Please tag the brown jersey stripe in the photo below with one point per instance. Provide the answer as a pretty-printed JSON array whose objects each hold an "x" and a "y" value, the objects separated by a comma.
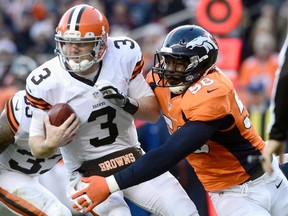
[
  {"x": 19, "y": 205},
  {"x": 12, "y": 121},
  {"x": 37, "y": 102},
  {"x": 138, "y": 68}
]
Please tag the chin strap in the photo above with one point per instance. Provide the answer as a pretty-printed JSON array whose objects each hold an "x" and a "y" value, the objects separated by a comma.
[{"x": 81, "y": 66}]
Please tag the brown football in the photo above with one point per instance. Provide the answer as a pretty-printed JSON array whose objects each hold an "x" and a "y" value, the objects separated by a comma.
[{"x": 59, "y": 113}]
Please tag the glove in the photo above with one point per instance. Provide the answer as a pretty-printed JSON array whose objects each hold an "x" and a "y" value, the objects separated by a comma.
[
  {"x": 118, "y": 98},
  {"x": 91, "y": 196}
]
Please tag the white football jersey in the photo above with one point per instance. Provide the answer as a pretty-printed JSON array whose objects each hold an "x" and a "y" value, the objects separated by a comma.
[
  {"x": 104, "y": 127},
  {"x": 18, "y": 156}
]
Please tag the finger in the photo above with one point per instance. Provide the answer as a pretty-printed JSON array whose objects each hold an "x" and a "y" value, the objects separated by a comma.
[
  {"x": 69, "y": 120},
  {"x": 105, "y": 88},
  {"x": 85, "y": 180},
  {"x": 89, "y": 201},
  {"x": 78, "y": 194},
  {"x": 116, "y": 96},
  {"x": 90, "y": 208},
  {"x": 94, "y": 213},
  {"x": 81, "y": 203},
  {"x": 77, "y": 206},
  {"x": 73, "y": 126},
  {"x": 84, "y": 204}
]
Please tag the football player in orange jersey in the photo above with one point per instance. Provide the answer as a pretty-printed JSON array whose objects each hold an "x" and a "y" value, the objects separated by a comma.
[{"x": 209, "y": 126}]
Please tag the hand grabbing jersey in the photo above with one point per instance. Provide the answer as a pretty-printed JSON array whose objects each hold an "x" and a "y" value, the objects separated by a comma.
[{"x": 112, "y": 94}]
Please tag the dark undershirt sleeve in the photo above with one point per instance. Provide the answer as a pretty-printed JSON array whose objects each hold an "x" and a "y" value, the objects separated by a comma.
[
  {"x": 280, "y": 125},
  {"x": 184, "y": 141}
]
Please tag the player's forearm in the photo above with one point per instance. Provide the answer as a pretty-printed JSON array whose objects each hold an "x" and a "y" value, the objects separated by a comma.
[
  {"x": 41, "y": 148},
  {"x": 148, "y": 109},
  {"x": 6, "y": 135}
]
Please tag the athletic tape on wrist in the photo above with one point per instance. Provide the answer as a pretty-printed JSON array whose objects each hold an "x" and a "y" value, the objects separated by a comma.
[
  {"x": 112, "y": 184},
  {"x": 131, "y": 106}
]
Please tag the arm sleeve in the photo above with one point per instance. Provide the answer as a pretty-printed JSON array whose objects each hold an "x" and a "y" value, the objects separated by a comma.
[
  {"x": 138, "y": 87},
  {"x": 184, "y": 141},
  {"x": 279, "y": 103},
  {"x": 37, "y": 123}
]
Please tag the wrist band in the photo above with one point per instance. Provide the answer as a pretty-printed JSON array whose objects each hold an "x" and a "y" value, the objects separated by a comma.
[
  {"x": 112, "y": 184},
  {"x": 131, "y": 106}
]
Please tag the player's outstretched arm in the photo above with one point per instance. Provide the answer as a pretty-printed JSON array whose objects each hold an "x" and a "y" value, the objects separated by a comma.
[
  {"x": 150, "y": 165},
  {"x": 6, "y": 134},
  {"x": 144, "y": 108}
]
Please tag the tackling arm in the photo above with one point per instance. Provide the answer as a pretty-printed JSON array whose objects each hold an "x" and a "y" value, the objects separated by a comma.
[
  {"x": 148, "y": 109},
  {"x": 184, "y": 141}
]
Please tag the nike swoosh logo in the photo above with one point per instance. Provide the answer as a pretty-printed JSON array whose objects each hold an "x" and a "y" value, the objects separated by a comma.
[
  {"x": 16, "y": 107},
  {"x": 277, "y": 186},
  {"x": 209, "y": 91}
]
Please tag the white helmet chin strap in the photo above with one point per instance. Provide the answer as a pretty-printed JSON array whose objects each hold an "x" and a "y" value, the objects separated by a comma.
[{"x": 81, "y": 66}]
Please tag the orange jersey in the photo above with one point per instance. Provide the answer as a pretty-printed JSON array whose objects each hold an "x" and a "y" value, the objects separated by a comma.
[{"x": 222, "y": 161}]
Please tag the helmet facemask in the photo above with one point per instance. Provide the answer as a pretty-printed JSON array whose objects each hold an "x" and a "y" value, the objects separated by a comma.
[
  {"x": 80, "y": 63},
  {"x": 190, "y": 46},
  {"x": 176, "y": 80},
  {"x": 80, "y": 25}
]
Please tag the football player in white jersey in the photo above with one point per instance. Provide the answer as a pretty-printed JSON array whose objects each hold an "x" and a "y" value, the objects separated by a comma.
[
  {"x": 89, "y": 63},
  {"x": 25, "y": 195},
  {"x": 20, "y": 192}
]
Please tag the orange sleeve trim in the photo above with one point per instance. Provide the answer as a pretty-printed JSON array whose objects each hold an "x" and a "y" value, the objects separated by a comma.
[
  {"x": 19, "y": 205},
  {"x": 12, "y": 121},
  {"x": 37, "y": 102},
  {"x": 138, "y": 68}
]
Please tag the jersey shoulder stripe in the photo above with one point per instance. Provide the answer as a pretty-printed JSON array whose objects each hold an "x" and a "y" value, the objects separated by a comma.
[
  {"x": 12, "y": 121},
  {"x": 38, "y": 102},
  {"x": 138, "y": 68}
]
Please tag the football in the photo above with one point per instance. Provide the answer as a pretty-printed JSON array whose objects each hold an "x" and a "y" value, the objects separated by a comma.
[{"x": 59, "y": 113}]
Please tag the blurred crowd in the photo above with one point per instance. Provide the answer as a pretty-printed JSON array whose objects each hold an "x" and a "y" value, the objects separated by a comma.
[{"x": 27, "y": 40}]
